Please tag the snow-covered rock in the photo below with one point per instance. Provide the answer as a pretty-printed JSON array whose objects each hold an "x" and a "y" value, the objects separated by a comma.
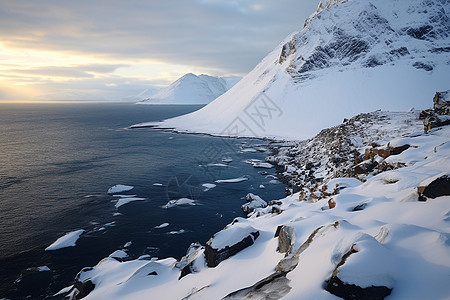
[
  {"x": 253, "y": 202},
  {"x": 193, "y": 261},
  {"x": 228, "y": 242},
  {"x": 232, "y": 180},
  {"x": 191, "y": 89},
  {"x": 352, "y": 56}
]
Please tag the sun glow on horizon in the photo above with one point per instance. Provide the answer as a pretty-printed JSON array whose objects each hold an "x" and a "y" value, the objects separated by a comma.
[{"x": 36, "y": 75}]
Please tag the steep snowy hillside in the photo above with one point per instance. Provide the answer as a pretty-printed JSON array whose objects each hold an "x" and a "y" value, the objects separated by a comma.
[
  {"x": 192, "y": 89},
  {"x": 351, "y": 56}
]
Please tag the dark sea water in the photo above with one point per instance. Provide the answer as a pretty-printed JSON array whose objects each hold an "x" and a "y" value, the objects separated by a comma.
[{"x": 57, "y": 162}]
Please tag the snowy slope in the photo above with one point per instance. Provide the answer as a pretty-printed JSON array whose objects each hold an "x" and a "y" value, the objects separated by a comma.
[
  {"x": 191, "y": 89},
  {"x": 377, "y": 234},
  {"x": 352, "y": 56}
]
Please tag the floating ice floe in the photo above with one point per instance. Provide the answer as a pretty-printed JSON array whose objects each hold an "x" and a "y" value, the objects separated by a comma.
[
  {"x": 126, "y": 200},
  {"x": 68, "y": 240},
  {"x": 208, "y": 186},
  {"x": 181, "y": 231},
  {"x": 263, "y": 165},
  {"x": 233, "y": 180},
  {"x": 227, "y": 159},
  {"x": 216, "y": 165},
  {"x": 181, "y": 201},
  {"x": 118, "y": 188},
  {"x": 158, "y": 184},
  {"x": 162, "y": 225},
  {"x": 250, "y": 150}
]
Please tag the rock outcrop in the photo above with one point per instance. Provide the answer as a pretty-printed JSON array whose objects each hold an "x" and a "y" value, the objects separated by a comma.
[
  {"x": 350, "y": 291},
  {"x": 253, "y": 202},
  {"x": 228, "y": 242},
  {"x": 437, "y": 188},
  {"x": 440, "y": 114},
  {"x": 192, "y": 261},
  {"x": 286, "y": 238}
]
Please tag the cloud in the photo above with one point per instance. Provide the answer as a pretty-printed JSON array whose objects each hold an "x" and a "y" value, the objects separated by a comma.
[
  {"x": 55, "y": 72},
  {"x": 218, "y": 37},
  {"x": 228, "y": 35}
]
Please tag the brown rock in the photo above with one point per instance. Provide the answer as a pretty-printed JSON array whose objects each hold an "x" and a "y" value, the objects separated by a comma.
[{"x": 331, "y": 203}]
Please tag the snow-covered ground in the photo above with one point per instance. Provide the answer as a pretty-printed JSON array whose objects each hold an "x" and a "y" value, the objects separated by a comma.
[
  {"x": 372, "y": 233},
  {"x": 192, "y": 89}
]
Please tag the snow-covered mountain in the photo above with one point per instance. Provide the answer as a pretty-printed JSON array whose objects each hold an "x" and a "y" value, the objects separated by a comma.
[
  {"x": 351, "y": 56},
  {"x": 192, "y": 89}
]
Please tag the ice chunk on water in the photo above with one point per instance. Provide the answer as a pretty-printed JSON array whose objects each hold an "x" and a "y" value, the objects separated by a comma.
[
  {"x": 118, "y": 188},
  {"x": 126, "y": 200},
  {"x": 233, "y": 180},
  {"x": 208, "y": 186},
  {"x": 68, "y": 240},
  {"x": 182, "y": 201},
  {"x": 162, "y": 225}
]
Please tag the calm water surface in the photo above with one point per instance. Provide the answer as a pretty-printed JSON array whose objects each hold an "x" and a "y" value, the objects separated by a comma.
[{"x": 57, "y": 162}]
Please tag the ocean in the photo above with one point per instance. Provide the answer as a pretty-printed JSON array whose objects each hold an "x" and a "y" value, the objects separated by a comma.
[{"x": 57, "y": 162}]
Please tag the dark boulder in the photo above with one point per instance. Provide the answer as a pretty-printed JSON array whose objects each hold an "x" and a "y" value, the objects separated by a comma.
[
  {"x": 354, "y": 292},
  {"x": 228, "y": 242},
  {"x": 83, "y": 288},
  {"x": 437, "y": 188},
  {"x": 348, "y": 291}
]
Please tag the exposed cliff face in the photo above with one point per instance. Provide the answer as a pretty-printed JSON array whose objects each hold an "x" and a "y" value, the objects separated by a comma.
[
  {"x": 351, "y": 56},
  {"x": 365, "y": 34}
]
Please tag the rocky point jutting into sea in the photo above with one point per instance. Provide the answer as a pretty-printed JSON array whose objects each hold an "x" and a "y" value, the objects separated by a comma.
[{"x": 369, "y": 209}]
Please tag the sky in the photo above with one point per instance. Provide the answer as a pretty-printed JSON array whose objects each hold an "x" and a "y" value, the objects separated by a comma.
[{"x": 114, "y": 50}]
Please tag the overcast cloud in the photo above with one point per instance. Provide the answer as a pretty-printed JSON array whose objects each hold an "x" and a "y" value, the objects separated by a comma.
[{"x": 168, "y": 37}]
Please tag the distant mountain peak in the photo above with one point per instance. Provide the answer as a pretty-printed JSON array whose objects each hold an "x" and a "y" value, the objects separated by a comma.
[{"x": 191, "y": 89}]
